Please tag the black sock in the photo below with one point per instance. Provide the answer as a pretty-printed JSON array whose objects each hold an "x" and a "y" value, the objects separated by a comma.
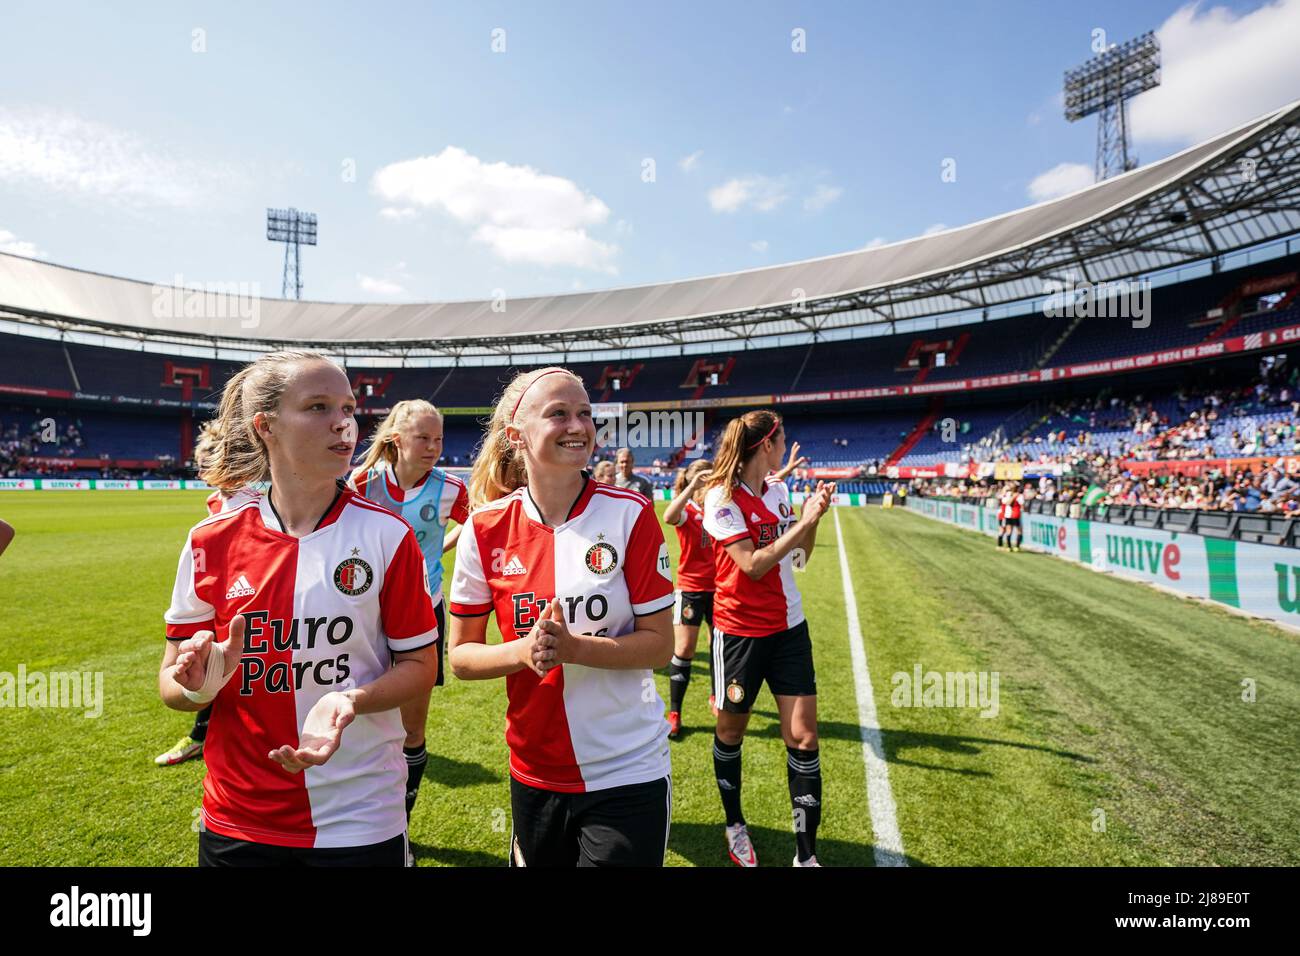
[
  {"x": 200, "y": 729},
  {"x": 1000, "y": 537},
  {"x": 1019, "y": 537},
  {"x": 679, "y": 675},
  {"x": 416, "y": 758},
  {"x": 804, "y": 773},
  {"x": 726, "y": 768}
]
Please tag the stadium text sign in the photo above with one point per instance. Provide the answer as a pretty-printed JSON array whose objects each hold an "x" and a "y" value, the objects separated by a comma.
[{"x": 1260, "y": 579}]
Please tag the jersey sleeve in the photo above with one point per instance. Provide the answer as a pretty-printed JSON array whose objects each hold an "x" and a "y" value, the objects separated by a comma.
[
  {"x": 471, "y": 595},
  {"x": 723, "y": 520},
  {"x": 189, "y": 613},
  {"x": 647, "y": 570},
  {"x": 405, "y": 604},
  {"x": 460, "y": 507}
]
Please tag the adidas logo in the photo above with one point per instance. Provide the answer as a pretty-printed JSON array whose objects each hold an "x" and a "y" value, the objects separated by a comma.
[
  {"x": 514, "y": 566},
  {"x": 754, "y": 518},
  {"x": 241, "y": 588},
  {"x": 807, "y": 800}
]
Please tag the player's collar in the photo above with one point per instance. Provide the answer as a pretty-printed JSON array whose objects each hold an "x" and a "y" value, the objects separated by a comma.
[
  {"x": 271, "y": 517},
  {"x": 579, "y": 503}
]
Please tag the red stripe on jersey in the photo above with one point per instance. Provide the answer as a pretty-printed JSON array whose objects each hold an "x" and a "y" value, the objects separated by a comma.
[
  {"x": 741, "y": 605},
  {"x": 695, "y": 564},
  {"x": 579, "y": 728},
  {"x": 537, "y": 726},
  {"x": 246, "y": 795}
]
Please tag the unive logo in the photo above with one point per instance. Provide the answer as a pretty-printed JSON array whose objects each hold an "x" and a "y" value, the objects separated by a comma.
[
  {"x": 1140, "y": 554},
  {"x": 1049, "y": 535},
  {"x": 1286, "y": 575}
]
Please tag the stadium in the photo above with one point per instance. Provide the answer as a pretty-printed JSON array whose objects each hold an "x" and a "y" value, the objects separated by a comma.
[{"x": 1126, "y": 358}]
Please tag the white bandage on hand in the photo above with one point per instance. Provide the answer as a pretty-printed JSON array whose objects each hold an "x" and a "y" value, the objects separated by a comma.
[{"x": 213, "y": 680}]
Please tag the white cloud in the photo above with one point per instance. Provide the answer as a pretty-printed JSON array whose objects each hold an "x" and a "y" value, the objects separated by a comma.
[
  {"x": 396, "y": 214},
  {"x": 759, "y": 245},
  {"x": 379, "y": 286},
  {"x": 1218, "y": 70},
  {"x": 1060, "y": 180},
  {"x": 761, "y": 192},
  {"x": 931, "y": 230},
  {"x": 19, "y": 247},
  {"x": 875, "y": 243},
  {"x": 687, "y": 163},
  {"x": 66, "y": 154},
  {"x": 822, "y": 197},
  {"x": 521, "y": 214}
]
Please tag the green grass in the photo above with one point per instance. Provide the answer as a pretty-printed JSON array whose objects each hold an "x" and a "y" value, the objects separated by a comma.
[{"x": 1113, "y": 698}]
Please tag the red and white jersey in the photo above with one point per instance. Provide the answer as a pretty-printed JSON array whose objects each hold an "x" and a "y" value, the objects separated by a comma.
[
  {"x": 695, "y": 564},
  {"x": 579, "y": 728},
  {"x": 218, "y": 502},
  {"x": 741, "y": 605},
  {"x": 1011, "y": 504},
  {"x": 323, "y": 613}
]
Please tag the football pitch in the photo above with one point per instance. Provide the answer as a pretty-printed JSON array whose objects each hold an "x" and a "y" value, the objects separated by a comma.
[{"x": 1122, "y": 730}]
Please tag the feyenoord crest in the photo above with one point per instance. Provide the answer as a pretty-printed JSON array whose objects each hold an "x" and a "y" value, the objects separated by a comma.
[
  {"x": 601, "y": 558},
  {"x": 688, "y": 611},
  {"x": 735, "y": 693},
  {"x": 353, "y": 576}
]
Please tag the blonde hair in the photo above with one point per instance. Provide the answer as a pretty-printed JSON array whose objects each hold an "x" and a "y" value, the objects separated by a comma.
[
  {"x": 204, "y": 445},
  {"x": 382, "y": 446},
  {"x": 499, "y": 468},
  {"x": 684, "y": 476},
  {"x": 239, "y": 456},
  {"x": 739, "y": 442}
]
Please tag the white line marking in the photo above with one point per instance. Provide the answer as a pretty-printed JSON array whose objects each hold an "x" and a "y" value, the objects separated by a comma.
[{"x": 880, "y": 798}]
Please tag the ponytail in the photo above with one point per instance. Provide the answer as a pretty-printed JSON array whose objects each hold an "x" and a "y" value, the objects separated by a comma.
[
  {"x": 238, "y": 456},
  {"x": 740, "y": 440}
]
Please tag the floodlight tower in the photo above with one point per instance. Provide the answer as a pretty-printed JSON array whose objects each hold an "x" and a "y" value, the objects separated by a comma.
[
  {"x": 295, "y": 229},
  {"x": 1104, "y": 85}
]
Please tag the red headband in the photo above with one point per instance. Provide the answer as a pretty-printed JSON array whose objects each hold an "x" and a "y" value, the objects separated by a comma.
[
  {"x": 775, "y": 426},
  {"x": 530, "y": 385}
]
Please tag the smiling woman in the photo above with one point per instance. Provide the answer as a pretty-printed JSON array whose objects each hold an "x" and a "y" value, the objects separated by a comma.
[
  {"x": 577, "y": 573},
  {"x": 323, "y": 598}
]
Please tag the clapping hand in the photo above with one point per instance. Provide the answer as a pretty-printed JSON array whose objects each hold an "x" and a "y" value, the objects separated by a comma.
[
  {"x": 191, "y": 667},
  {"x": 321, "y": 733}
]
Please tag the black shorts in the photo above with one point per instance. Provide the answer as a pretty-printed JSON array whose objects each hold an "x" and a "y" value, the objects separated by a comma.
[
  {"x": 692, "y": 608},
  {"x": 621, "y": 826},
  {"x": 742, "y": 664},
  {"x": 1011, "y": 522},
  {"x": 218, "y": 850},
  {"x": 440, "y": 612}
]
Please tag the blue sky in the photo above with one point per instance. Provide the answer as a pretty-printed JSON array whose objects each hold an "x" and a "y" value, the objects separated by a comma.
[{"x": 125, "y": 150}]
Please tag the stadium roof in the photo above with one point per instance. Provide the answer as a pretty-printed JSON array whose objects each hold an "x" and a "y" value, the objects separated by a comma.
[{"x": 1233, "y": 191}]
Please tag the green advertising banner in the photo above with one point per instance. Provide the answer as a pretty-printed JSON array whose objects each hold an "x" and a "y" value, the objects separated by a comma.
[{"x": 1261, "y": 579}]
